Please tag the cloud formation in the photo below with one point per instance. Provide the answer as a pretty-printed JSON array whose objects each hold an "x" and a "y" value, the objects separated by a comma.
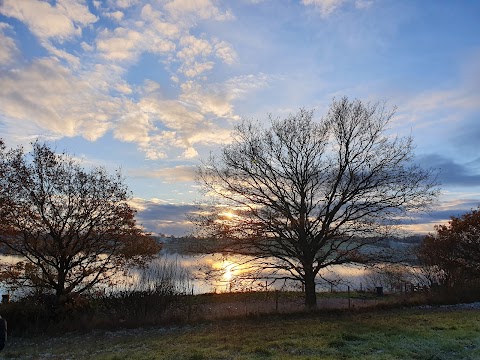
[
  {"x": 160, "y": 84},
  {"x": 451, "y": 172},
  {"x": 7, "y": 44},
  {"x": 327, "y": 7},
  {"x": 61, "y": 21},
  {"x": 169, "y": 219},
  {"x": 173, "y": 175},
  {"x": 68, "y": 105},
  {"x": 84, "y": 88}
]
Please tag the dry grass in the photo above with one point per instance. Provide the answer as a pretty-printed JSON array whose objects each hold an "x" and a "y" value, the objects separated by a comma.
[{"x": 415, "y": 333}]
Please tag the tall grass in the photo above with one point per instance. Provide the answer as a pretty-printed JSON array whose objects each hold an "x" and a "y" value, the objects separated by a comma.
[{"x": 148, "y": 296}]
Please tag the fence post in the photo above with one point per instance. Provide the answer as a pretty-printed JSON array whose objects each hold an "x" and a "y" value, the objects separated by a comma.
[
  {"x": 349, "y": 300},
  {"x": 189, "y": 311},
  {"x": 276, "y": 301}
]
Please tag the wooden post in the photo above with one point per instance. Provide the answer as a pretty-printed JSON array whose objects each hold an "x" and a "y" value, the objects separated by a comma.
[
  {"x": 349, "y": 300},
  {"x": 189, "y": 311},
  {"x": 276, "y": 301}
]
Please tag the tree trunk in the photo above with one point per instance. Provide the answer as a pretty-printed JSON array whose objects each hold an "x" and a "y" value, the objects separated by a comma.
[
  {"x": 310, "y": 292},
  {"x": 60, "y": 290}
]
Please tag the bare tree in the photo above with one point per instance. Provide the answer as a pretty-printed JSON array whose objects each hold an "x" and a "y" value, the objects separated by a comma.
[
  {"x": 73, "y": 228},
  {"x": 303, "y": 195}
]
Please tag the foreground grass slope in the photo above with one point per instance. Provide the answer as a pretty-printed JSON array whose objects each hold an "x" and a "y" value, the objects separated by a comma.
[{"x": 427, "y": 333}]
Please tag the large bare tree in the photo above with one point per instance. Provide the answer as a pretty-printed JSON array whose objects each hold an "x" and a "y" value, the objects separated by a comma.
[
  {"x": 307, "y": 195},
  {"x": 73, "y": 228}
]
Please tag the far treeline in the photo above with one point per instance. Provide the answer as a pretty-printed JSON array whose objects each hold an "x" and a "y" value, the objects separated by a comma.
[{"x": 296, "y": 194}]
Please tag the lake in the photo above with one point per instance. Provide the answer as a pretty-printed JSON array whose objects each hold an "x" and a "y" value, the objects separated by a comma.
[{"x": 222, "y": 273}]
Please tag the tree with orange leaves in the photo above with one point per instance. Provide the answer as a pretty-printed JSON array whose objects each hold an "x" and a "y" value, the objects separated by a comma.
[
  {"x": 73, "y": 228},
  {"x": 453, "y": 251}
]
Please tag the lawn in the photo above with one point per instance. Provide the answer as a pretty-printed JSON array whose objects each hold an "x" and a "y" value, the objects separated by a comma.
[{"x": 415, "y": 333}]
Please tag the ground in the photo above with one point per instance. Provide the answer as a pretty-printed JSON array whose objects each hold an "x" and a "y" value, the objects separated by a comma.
[{"x": 425, "y": 332}]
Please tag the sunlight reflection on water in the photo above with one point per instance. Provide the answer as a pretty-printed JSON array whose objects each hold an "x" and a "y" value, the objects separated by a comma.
[{"x": 221, "y": 273}]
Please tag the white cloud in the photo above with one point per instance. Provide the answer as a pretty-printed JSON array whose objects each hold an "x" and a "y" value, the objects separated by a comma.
[
  {"x": 116, "y": 15},
  {"x": 124, "y": 44},
  {"x": 150, "y": 86},
  {"x": 203, "y": 9},
  {"x": 77, "y": 11},
  {"x": 123, "y": 87},
  {"x": 159, "y": 24},
  {"x": 212, "y": 99},
  {"x": 181, "y": 173},
  {"x": 126, "y": 3},
  {"x": 73, "y": 60},
  {"x": 363, "y": 4},
  {"x": 86, "y": 46},
  {"x": 134, "y": 126},
  {"x": 432, "y": 104},
  {"x": 61, "y": 21},
  {"x": 225, "y": 51},
  {"x": 120, "y": 44},
  {"x": 218, "y": 98},
  {"x": 196, "y": 69},
  {"x": 173, "y": 114},
  {"x": 193, "y": 47},
  {"x": 86, "y": 93},
  {"x": 68, "y": 104},
  {"x": 326, "y": 7},
  {"x": 7, "y": 44},
  {"x": 190, "y": 153}
]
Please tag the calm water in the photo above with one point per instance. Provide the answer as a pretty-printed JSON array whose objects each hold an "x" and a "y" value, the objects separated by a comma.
[{"x": 219, "y": 273}]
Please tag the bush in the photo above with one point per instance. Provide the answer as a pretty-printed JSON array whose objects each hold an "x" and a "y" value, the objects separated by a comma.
[{"x": 155, "y": 299}]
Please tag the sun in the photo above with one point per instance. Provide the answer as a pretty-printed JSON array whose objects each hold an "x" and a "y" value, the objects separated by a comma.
[
  {"x": 228, "y": 271},
  {"x": 228, "y": 274},
  {"x": 228, "y": 215}
]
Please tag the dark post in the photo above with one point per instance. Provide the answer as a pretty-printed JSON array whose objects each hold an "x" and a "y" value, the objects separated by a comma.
[
  {"x": 276, "y": 300},
  {"x": 189, "y": 311},
  {"x": 3, "y": 332},
  {"x": 349, "y": 300}
]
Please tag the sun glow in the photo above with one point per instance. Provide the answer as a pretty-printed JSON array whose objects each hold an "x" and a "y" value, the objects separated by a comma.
[
  {"x": 227, "y": 270},
  {"x": 228, "y": 274},
  {"x": 228, "y": 215}
]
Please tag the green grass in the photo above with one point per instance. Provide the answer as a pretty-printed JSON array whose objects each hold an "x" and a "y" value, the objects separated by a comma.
[{"x": 396, "y": 334}]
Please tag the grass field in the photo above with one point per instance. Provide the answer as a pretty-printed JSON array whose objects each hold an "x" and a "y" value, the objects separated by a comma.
[{"x": 415, "y": 333}]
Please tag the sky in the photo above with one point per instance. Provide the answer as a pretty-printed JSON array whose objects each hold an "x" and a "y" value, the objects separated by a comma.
[{"x": 153, "y": 87}]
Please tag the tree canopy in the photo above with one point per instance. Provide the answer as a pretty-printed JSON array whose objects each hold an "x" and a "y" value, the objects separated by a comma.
[
  {"x": 303, "y": 195},
  {"x": 73, "y": 228},
  {"x": 453, "y": 251}
]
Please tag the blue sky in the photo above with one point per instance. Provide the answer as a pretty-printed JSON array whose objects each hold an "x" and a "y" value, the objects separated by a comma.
[{"x": 155, "y": 86}]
